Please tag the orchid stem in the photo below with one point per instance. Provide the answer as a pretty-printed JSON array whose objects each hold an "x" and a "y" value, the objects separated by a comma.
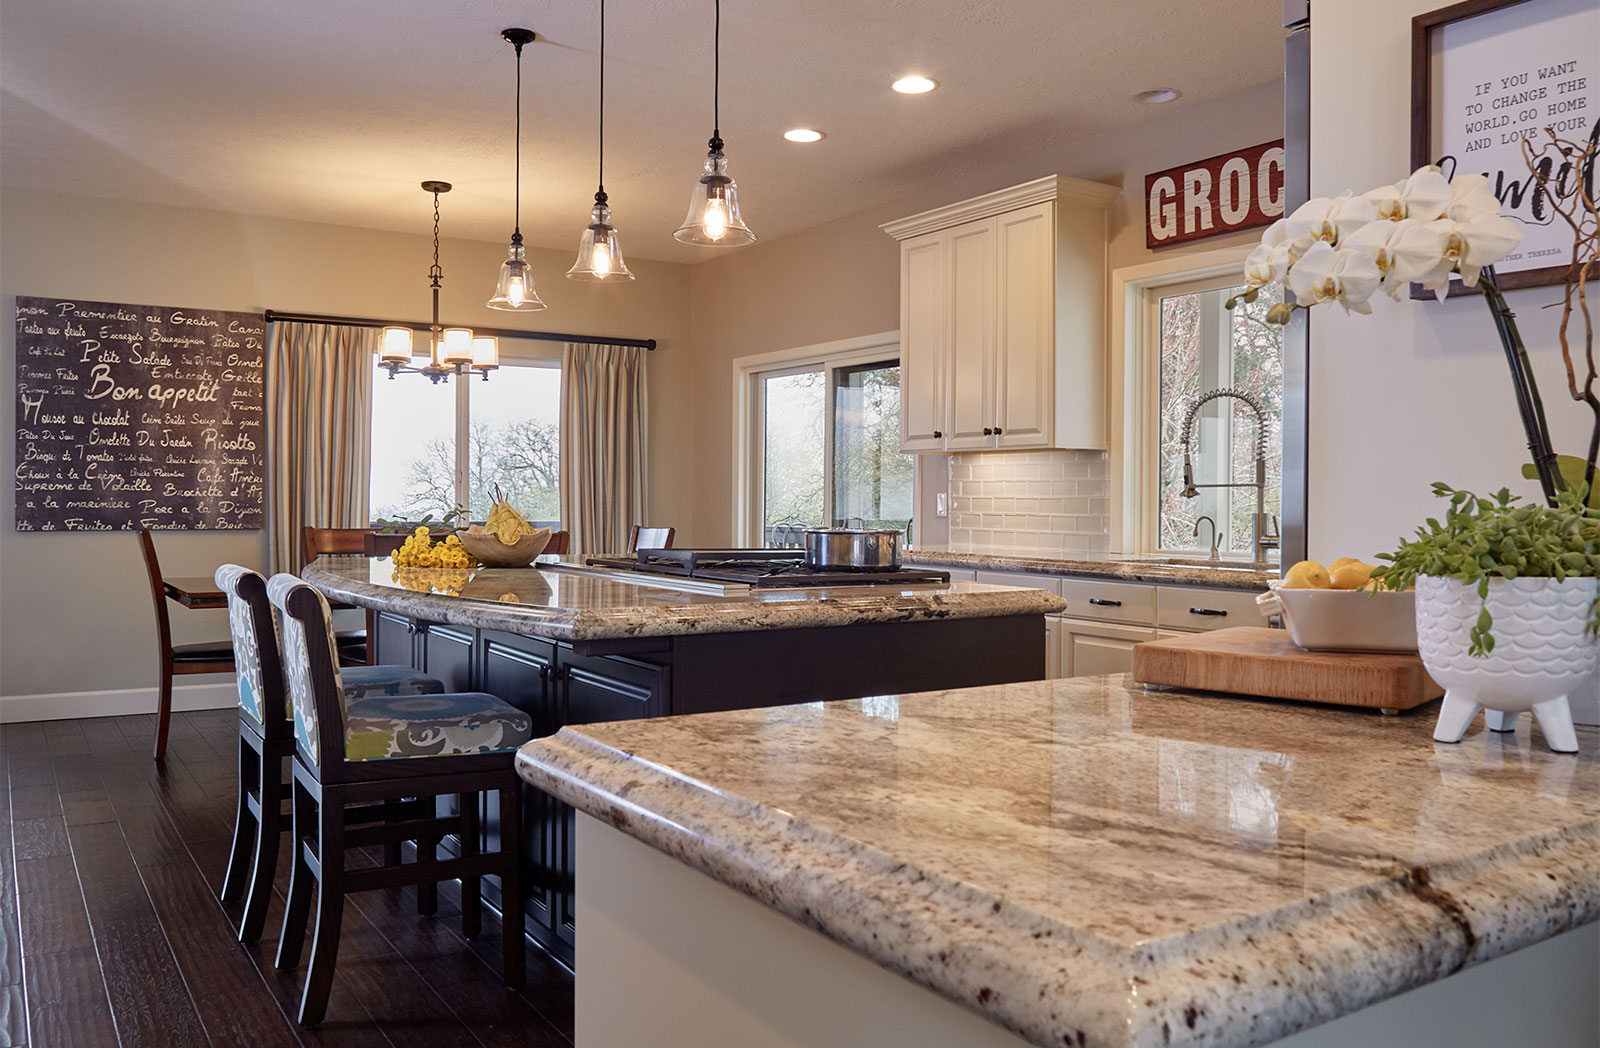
[{"x": 1529, "y": 403}]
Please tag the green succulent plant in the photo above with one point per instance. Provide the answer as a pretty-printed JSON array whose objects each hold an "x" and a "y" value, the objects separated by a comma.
[{"x": 1486, "y": 538}]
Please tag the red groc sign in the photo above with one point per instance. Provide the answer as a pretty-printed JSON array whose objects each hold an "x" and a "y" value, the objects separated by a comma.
[{"x": 1224, "y": 194}]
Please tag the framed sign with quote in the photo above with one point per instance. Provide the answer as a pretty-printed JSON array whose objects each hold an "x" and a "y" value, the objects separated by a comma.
[{"x": 1490, "y": 75}]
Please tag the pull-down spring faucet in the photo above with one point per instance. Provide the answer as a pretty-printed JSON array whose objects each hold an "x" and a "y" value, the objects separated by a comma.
[{"x": 1263, "y": 539}]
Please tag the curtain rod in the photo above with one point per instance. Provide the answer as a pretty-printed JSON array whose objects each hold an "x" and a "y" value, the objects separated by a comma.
[{"x": 273, "y": 315}]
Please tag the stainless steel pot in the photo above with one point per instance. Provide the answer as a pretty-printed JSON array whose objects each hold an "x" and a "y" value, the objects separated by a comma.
[{"x": 852, "y": 549}]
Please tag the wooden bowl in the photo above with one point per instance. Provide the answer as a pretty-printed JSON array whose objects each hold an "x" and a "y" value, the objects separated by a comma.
[{"x": 492, "y": 553}]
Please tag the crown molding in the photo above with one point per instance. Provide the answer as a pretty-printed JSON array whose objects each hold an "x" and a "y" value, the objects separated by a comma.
[{"x": 1051, "y": 187}]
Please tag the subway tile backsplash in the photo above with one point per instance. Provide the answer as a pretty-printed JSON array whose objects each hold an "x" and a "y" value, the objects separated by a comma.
[{"x": 1030, "y": 502}]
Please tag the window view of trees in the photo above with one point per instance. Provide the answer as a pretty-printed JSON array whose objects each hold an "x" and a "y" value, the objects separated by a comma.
[
  {"x": 513, "y": 440},
  {"x": 871, "y": 480},
  {"x": 1206, "y": 347}
]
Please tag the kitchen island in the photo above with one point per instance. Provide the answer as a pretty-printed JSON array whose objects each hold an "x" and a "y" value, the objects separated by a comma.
[
  {"x": 1078, "y": 862},
  {"x": 574, "y": 645}
]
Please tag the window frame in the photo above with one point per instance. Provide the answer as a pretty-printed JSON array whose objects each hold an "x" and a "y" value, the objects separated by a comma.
[
  {"x": 1136, "y": 292},
  {"x": 749, "y": 372},
  {"x": 514, "y": 352}
]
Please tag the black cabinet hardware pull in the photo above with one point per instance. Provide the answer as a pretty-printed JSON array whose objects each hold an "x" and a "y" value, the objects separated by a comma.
[
  {"x": 997, "y": 431},
  {"x": 937, "y": 435},
  {"x": 1206, "y": 611},
  {"x": 988, "y": 432},
  {"x": 1105, "y": 603}
]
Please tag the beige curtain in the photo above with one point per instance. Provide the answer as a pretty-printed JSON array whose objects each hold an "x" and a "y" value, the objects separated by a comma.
[
  {"x": 319, "y": 423},
  {"x": 603, "y": 423}
]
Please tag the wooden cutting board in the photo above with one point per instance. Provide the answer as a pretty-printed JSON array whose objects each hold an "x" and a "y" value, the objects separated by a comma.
[{"x": 1253, "y": 660}]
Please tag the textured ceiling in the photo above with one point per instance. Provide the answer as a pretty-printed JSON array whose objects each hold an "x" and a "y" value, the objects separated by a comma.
[{"x": 334, "y": 110}]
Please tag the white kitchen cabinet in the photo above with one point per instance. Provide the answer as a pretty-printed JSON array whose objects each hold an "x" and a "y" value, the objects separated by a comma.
[
  {"x": 1002, "y": 319},
  {"x": 1199, "y": 608},
  {"x": 1053, "y": 630},
  {"x": 1089, "y": 648}
]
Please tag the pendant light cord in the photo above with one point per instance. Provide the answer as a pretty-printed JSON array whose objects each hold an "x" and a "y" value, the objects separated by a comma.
[
  {"x": 716, "y": 81},
  {"x": 600, "y": 196},
  {"x": 517, "y": 193}
]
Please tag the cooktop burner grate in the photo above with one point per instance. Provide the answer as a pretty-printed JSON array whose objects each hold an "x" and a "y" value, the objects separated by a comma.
[{"x": 758, "y": 567}]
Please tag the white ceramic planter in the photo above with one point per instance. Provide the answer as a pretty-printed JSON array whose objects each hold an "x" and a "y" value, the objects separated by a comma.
[{"x": 1542, "y": 652}]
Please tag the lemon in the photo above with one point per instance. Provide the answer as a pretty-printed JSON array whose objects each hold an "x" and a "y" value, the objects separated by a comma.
[
  {"x": 1341, "y": 562},
  {"x": 1350, "y": 576},
  {"x": 1308, "y": 574}
]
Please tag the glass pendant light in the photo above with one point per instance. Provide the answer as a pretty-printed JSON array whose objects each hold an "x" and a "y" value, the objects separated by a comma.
[
  {"x": 515, "y": 287},
  {"x": 714, "y": 202},
  {"x": 600, "y": 249}
]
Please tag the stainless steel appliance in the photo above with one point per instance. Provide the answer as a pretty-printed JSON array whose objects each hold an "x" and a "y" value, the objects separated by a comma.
[
  {"x": 757, "y": 567},
  {"x": 852, "y": 549}
]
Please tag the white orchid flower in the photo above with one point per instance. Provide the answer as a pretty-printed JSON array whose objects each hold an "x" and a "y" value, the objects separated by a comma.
[
  {"x": 1481, "y": 239},
  {"x": 1403, "y": 251},
  {"x": 1329, "y": 218},
  {"x": 1328, "y": 274},
  {"x": 1470, "y": 195},
  {"x": 1424, "y": 196},
  {"x": 1269, "y": 262}
]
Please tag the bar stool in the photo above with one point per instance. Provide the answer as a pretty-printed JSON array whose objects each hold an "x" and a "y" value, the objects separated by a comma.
[
  {"x": 649, "y": 538},
  {"x": 317, "y": 541},
  {"x": 378, "y": 751},
  {"x": 266, "y": 737}
]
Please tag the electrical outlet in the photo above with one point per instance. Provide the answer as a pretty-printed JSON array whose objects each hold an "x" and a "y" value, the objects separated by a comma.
[{"x": 941, "y": 505}]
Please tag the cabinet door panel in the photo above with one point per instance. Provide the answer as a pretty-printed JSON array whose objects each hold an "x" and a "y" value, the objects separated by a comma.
[
  {"x": 393, "y": 640},
  {"x": 1092, "y": 648},
  {"x": 1053, "y": 632},
  {"x": 1025, "y": 335},
  {"x": 448, "y": 655},
  {"x": 519, "y": 670},
  {"x": 922, "y": 342},
  {"x": 971, "y": 396}
]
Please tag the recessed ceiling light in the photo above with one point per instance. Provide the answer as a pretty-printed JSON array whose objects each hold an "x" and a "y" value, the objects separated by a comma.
[
  {"x": 803, "y": 134},
  {"x": 1156, "y": 96},
  {"x": 914, "y": 85}
]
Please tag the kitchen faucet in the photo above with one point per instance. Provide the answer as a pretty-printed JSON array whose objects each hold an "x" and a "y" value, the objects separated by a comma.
[
  {"x": 1263, "y": 539},
  {"x": 1215, "y": 537}
]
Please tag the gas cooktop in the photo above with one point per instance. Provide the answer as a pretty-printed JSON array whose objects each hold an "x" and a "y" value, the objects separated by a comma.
[{"x": 757, "y": 567}]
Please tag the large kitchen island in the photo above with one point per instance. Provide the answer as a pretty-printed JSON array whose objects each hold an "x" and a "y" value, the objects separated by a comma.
[
  {"x": 574, "y": 644},
  {"x": 1081, "y": 863}
]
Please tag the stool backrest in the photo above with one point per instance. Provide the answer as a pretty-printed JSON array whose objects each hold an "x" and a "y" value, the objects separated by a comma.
[
  {"x": 262, "y": 696},
  {"x": 649, "y": 538},
  {"x": 310, "y": 669},
  {"x": 333, "y": 540}
]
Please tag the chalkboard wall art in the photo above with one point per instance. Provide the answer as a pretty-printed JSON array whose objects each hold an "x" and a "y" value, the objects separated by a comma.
[{"x": 138, "y": 416}]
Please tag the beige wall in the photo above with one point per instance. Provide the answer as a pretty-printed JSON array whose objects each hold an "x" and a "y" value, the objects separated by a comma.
[
  {"x": 75, "y": 608},
  {"x": 842, "y": 279}
]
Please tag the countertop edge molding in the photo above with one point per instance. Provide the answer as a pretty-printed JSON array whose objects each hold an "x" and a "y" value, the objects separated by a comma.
[
  {"x": 733, "y": 616},
  {"x": 1223, "y": 985},
  {"x": 1051, "y": 187},
  {"x": 1110, "y": 571}
]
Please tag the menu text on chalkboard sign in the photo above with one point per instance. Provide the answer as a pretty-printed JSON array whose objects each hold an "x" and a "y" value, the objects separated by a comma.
[{"x": 138, "y": 416}]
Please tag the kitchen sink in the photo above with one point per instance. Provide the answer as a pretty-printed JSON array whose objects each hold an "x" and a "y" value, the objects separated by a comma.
[{"x": 1201, "y": 562}]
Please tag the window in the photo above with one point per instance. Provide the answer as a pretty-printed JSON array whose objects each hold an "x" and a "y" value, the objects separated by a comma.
[
  {"x": 435, "y": 447},
  {"x": 820, "y": 442},
  {"x": 1204, "y": 347}
]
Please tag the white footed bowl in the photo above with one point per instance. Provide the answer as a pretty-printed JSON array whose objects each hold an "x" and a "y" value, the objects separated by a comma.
[{"x": 1542, "y": 651}]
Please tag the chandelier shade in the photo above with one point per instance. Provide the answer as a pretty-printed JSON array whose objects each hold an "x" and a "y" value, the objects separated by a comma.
[{"x": 714, "y": 218}]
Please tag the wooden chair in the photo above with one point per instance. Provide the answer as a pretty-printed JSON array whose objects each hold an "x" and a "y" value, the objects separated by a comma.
[
  {"x": 204, "y": 657},
  {"x": 650, "y": 538},
  {"x": 559, "y": 542},
  {"x": 352, "y": 643},
  {"x": 380, "y": 752},
  {"x": 266, "y": 737}
]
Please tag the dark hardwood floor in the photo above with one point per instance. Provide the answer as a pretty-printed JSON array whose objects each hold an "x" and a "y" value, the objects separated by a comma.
[{"x": 111, "y": 933}]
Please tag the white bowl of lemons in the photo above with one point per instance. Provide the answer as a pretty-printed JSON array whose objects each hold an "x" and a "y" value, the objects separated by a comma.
[{"x": 1339, "y": 608}]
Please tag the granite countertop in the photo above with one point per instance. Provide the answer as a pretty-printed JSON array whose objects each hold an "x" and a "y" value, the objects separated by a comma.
[
  {"x": 561, "y": 599},
  {"x": 1113, "y": 566},
  {"x": 1089, "y": 864}
]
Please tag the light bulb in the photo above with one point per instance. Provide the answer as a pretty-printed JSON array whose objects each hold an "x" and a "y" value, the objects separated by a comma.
[
  {"x": 514, "y": 291},
  {"x": 602, "y": 257},
  {"x": 716, "y": 221}
]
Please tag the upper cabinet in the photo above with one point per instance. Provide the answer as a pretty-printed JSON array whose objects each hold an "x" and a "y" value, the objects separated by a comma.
[{"x": 1002, "y": 319}]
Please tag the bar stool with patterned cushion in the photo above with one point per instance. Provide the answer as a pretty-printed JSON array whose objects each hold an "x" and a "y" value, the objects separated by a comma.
[
  {"x": 380, "y": 750},
  {"x": 266, "y": 737}
]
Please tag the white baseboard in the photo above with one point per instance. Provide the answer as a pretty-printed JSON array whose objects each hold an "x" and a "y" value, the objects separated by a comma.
[{"x": 70, "y": 705}]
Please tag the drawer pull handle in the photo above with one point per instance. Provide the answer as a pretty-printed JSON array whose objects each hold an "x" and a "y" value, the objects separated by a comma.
[
  {"x": 1206, "y": 611},
  {"x": 1097, "y": 602}
]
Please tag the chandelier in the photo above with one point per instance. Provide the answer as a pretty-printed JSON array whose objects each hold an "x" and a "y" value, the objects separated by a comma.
[{"x": 452, "y": 350}]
